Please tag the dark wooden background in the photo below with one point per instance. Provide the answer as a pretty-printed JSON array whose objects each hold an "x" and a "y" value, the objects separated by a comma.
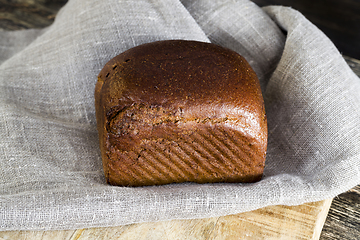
[
  {"x": 24, "y": 14},
  {"x": 338, "y": 19}
]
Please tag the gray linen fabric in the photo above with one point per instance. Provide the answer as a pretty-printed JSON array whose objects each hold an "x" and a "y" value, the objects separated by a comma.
[{"x": 50, "y": 167}]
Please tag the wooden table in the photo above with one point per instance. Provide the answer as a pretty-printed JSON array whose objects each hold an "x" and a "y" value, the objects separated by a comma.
[{"x": 307, "y": 221}]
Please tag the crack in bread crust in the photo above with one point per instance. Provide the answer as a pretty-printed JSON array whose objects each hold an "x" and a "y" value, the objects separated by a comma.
[{"x": 126, "y": 120}]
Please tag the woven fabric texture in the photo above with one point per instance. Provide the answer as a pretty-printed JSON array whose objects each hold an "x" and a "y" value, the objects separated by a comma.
[{"x": 51, "y": 173}]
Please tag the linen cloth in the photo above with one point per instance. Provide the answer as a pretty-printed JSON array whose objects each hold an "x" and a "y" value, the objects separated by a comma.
[{"x": 51, "y": 173}]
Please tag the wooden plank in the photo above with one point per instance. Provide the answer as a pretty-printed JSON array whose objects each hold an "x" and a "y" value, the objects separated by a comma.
[
  {"x": 24, "y": 14},
  {"x": 354, "y": 64},
  {"x": 275, "y": 222},
  {"x": 343, "y": 221}
]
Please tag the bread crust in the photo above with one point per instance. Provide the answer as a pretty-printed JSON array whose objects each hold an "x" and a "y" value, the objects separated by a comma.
[{"x": 180, "y": 111}]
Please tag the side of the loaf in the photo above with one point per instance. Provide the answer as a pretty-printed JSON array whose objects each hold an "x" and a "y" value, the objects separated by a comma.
[{"x": 180, "y": 111}]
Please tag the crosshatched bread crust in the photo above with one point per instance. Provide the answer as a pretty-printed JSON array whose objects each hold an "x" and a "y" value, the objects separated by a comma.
[{"x": 180, "y": 111}]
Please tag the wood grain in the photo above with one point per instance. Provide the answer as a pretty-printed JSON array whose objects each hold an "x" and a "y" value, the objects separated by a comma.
[
  {"x": 24, "y": 14},
  {"x": 354, "y": 64},
  {"x": 275, "y": 222},
  {"x": 343, "y": 221}
]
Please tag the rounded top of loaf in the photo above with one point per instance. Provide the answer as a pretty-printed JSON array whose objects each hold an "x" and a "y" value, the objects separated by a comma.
[{"x": 197, "y": 80}]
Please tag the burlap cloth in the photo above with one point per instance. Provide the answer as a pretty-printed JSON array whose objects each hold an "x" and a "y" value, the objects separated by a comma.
[{"x": 50, "y": 167}]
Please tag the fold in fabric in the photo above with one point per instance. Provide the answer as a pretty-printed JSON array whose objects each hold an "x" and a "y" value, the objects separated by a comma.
[{"x": 50, "y": 166}]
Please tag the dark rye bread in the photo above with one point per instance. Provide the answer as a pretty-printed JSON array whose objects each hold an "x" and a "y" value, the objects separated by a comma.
[{"x": 180, "y": 111}]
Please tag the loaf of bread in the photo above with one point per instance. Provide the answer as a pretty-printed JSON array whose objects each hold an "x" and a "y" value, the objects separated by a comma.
[{"x": 180, "y": 111}]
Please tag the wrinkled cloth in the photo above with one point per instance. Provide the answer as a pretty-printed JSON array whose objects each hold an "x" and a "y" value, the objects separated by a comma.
[{"x": 51, "y": 174}]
